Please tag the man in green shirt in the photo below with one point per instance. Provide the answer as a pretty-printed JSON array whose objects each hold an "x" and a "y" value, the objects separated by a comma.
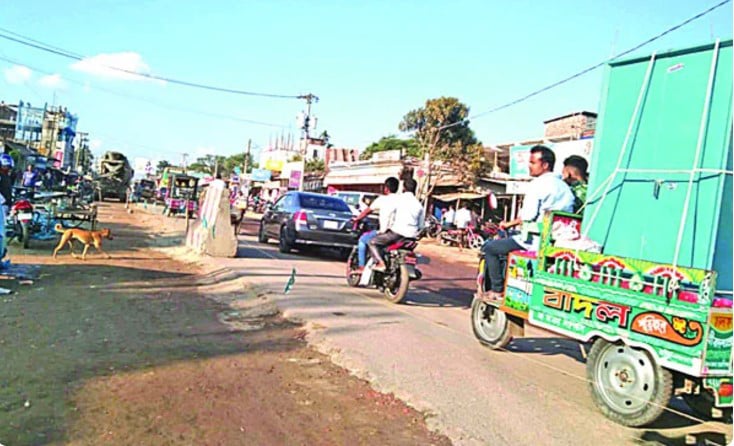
[{"x": 576, "y": 176}]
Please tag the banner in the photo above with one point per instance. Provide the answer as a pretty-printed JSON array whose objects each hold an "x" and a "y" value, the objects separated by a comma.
[
  {"x": 261, "y": 175},
  {"x": 294, "y": 182}
]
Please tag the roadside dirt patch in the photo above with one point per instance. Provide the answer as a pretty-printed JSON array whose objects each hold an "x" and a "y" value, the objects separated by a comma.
[{"x": 146, "y": 350}]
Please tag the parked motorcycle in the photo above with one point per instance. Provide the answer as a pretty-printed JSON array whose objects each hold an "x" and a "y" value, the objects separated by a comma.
[
  {"x": 19, "y": 221},
  {"x": 452, "y": 237},
  {"x": 401, "y": 268},
  {"x": 433, "y": 227}
]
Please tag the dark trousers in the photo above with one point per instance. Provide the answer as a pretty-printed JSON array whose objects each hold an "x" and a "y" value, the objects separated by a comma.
[
  {"x": 492, "y": 250},
  {"x": 379, "y": 242}
]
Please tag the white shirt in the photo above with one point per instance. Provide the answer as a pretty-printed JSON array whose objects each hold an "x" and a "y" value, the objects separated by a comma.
[
  {"x": 448, "y": 217},
  {"x": 385, "y": 205},
  {"x": 409, "y": 215},
  {"x": 547, "y": 192},
  {"x": 463, "y": 218}
]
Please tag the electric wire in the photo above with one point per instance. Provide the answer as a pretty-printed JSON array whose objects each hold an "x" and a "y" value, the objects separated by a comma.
[
  {"x": 29, "y": 42},
  {"x": 586, "y": 70},
  {"x": 146, "y": 100}
]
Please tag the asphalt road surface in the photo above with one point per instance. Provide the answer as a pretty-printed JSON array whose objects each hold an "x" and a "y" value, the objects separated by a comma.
[{"x": 424, "y": 351}]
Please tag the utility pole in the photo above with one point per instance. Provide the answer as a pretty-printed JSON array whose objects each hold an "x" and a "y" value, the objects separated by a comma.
[
  {"x": 247, "y": 157},
  {"x": 310, "y": 99}
]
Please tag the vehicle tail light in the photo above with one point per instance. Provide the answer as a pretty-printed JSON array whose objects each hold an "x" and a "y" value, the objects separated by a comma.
[
  {"x": 725, "y": 389},
  {"x": 22, "y": 205},
  {"x": 300, "y": 219},
  {"x": 411, "y": 260}
]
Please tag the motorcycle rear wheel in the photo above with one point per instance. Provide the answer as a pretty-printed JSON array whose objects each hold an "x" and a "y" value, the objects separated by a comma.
[
  {"x": 25, "y": 236},
  {"x": 399, "y": 290}
]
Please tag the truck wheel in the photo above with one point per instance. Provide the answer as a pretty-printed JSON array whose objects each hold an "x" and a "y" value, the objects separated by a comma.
[
  {"x": 492, "y": 326},
  {"x": 627, "y": 385}
]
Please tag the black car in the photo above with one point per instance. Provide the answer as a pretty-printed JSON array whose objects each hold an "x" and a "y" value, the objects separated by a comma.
[{"x": 302, "y": 218}]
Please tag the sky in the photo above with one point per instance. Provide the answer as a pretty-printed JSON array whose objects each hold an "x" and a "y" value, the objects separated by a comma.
[{"x": 369, "y": 62}]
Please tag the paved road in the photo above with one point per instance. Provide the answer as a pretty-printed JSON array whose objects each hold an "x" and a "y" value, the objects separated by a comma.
[{"x": 424, "y": 352}]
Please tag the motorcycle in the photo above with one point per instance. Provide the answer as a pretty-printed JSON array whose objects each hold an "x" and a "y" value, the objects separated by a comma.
[
  {"x": 452, "y": 237},
  {"x": 433, "y": 227},
  {"x": 19, "y": 221},
  {"x": 401, "y": 267}
]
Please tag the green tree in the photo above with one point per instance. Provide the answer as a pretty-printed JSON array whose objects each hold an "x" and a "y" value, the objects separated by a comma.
[
  {"x": 409, "y": 147},
  {"x": 442, "y": 131},
  {"x": 161, "y": 166},
  {"x": 315, "y": 165}
]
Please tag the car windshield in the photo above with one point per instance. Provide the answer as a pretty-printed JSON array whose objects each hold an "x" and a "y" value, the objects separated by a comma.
[
  {"x": 323, "y": 202},
  {"x": 351, "y": 199}
]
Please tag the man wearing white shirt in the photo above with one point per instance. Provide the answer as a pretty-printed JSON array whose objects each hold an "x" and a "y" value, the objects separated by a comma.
[
  {"x": 462, "y": 220},
  {"x": 385, "y": 205},
  {"x": 547, "y": 192},
  {"x": 408, "y": 223}
]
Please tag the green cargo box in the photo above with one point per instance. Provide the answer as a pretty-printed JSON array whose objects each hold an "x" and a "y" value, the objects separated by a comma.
[{"x": 660, "y": 121}]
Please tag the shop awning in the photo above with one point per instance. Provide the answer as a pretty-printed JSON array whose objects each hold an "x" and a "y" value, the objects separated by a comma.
[{"x": 460, "y": 196}]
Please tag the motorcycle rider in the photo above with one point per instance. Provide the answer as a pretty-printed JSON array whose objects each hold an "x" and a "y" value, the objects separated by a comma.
[
  {"x": 546, "y": 192},
  {"x": 409, "y": 219},
  {"x": 385, "y": 205}
]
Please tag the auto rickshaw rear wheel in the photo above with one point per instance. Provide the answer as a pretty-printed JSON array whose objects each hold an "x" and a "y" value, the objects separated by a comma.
[{"x": 627, "y": 385}]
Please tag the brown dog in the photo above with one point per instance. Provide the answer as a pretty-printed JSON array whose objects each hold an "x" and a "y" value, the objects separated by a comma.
[{"x": 87, "y": 237}]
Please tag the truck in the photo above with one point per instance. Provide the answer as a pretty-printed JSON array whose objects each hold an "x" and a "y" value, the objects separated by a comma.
[{"x": 114, "y": 176}]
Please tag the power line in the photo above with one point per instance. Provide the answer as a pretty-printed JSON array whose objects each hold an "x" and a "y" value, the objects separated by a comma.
[
  {"x": 587, "y": 70},
  {"x": 27, "y": 41},
  {"x": 146, "y": 100}
]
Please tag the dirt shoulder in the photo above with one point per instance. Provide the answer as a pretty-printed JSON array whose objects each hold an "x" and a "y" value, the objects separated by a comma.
[{"x": 144, "y": 349}]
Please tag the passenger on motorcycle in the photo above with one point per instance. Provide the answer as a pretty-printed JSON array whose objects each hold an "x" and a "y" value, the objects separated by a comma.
[
  {"x": 385, "y": 205},
  {"x": 409, "y": 219},
  {"x": 546, "y": 192},
  {"x": 462, "y": 220}
]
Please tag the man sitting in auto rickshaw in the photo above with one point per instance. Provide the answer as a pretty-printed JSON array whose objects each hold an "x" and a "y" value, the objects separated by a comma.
[
  {"x": 576, "y": 176},
  {"x": 546, "y": 192}
]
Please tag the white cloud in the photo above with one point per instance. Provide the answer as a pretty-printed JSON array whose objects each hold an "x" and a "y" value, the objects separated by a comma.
[
  {"x": 52, "y": 81},
  {"x": 95, "y": 144},
  {"x": 18, "y": 74},
  {"x": 103, "y": 65}
]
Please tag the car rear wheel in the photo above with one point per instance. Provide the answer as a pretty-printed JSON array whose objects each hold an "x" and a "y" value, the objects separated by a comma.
[
  {"x": 262, "y": 237},
  {"x": 284, "y": 245}
]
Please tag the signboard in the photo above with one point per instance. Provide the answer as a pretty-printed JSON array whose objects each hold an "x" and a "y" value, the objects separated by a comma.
[
  {"x": 260, "y": 175},
  {"x": 272, "y": 164},
  {"x": 516, "y": 187},
  {"x": 387, "y": 155},
  {"x": 294, "y": 181},
  {"x": 519, "y": 158}
]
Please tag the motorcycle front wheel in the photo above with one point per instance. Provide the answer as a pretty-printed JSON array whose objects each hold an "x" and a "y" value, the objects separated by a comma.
[{"x": 352, "y": 263}]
